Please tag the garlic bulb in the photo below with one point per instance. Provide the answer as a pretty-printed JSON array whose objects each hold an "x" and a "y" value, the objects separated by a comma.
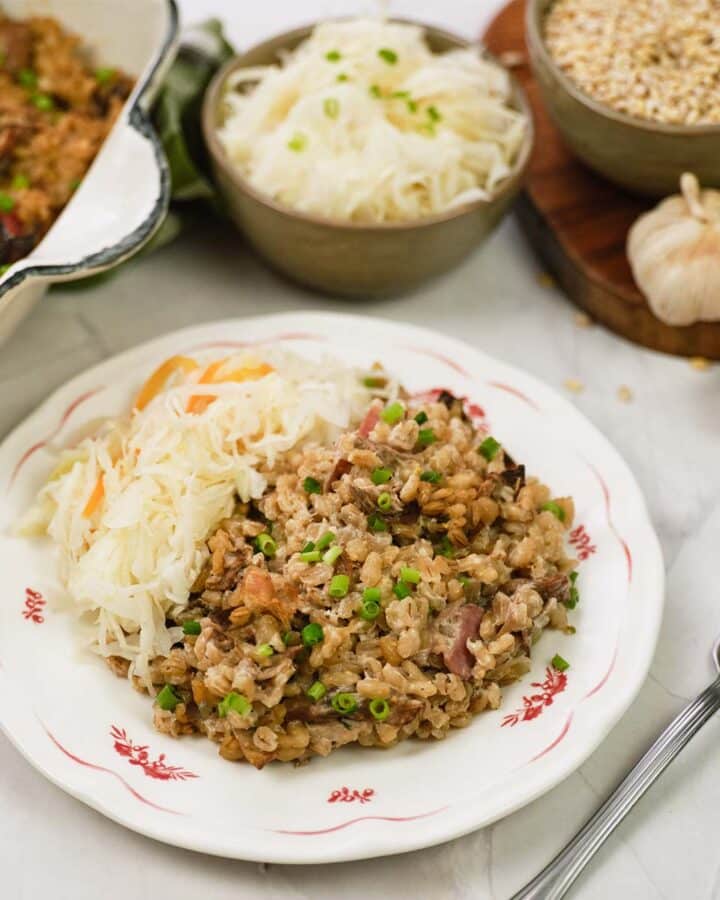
[{"x": 674, "y": 252}]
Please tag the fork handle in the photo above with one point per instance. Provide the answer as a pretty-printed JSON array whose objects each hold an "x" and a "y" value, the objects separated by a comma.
[{"x": 555, "y": 879}]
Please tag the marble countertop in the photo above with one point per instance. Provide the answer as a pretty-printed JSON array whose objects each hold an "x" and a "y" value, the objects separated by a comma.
[{"x": 50, "y": 844}]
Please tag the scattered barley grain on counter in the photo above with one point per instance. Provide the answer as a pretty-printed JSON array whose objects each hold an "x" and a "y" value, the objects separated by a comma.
[
  {"x": 653, "y": 59},
  {"x": 583, "y": 320},
  {"x": 700, "y": 363}
]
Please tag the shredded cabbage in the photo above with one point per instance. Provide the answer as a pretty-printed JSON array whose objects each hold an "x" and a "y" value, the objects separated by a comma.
[
  {"x": 362, "y": 122},
  {"x": 168, "y": 477}
]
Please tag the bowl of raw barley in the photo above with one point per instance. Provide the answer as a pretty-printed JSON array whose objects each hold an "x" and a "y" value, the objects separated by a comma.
[{"x": 634, "y": 87}]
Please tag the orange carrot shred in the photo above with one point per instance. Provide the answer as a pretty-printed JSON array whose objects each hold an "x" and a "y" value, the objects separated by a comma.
[
  {"x": 95, "y": 498},
  {"x": 159, "y": 378},
  {"x": 198, "y": 403}
]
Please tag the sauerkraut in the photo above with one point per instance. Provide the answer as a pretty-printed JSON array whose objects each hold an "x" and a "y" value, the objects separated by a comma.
[
  {"x": 363, "y": 123},
  {"x": 130, "y": 508}
]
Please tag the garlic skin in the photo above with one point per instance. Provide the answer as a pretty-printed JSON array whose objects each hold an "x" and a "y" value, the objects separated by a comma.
[{"x": 674, "y": 253}]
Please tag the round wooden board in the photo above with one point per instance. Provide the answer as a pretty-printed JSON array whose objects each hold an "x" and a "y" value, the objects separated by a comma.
[{"x": 578, "y": 222}]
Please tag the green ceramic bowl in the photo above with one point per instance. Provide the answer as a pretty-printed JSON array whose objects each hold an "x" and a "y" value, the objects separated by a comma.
[
  {"x": 644, "y": 157},
  {"x": 346, "y": 258}
]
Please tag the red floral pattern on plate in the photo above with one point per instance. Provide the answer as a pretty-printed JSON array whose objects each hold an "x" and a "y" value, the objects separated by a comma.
[
  {"x": 554, "y": 684},
  {"x": 137, "y": 755},
  {"x": 34, "y": 603},
  {"x": 580, "y": 539},
  {"x": 345, "y": 795}
]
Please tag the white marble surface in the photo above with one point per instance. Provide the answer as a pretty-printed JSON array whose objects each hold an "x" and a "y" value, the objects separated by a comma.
[{"x": 52, "y": 845}]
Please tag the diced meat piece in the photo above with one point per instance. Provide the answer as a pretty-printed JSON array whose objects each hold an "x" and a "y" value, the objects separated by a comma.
[
  {"x": 257, "y": 594},
  {"x": 557, "y": 586},
  {"x": 341, "y": 467},
  {"x": 370, "y": 420},
  {"x": 458, "y": 623},
  {"x": 13, "y": 243},
  {"x": 15, "y": 45},
  {"x": 514, "y": 477}
]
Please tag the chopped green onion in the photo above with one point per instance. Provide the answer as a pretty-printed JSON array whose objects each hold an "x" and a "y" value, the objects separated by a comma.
[
  {"x": 384, "y": 501},
  {"x": 266, "y": 545},
  {"x": 312, "y": 634},
  {"x": 297, "y": 142},
  {"x": 573, "y": 576},
  {"x": 7, "y": 204},
  {"x": 400, "y": 95},
  {"x": 310, "y": 556},
  {"x": 325, "y": 541},
  {"x": 434, "y": 114},
  {"x": 27, "y": 78},
  {"x": 412, "y": 106},
  {"x": 233, "y": 702},
  {"x": 192, "y": 626},
  {"x": 464, "y": 580},
  {"x": 43, "y": 102},
  {"x": 379, "y": 709},
  {"x": 167, "y": 699},
  {"x": 290, "y": 637},
  {"x": 102, "y": 76},
  {"x": 20, "y": 182},
  {"x": 339, "y": 586},
  {"x": 371, "y": 594},
  {"x": 388, "y": 56},
  {"x": 316, "y": 691},
  {"x": 344, "y": 703},
  {"x": 332, "y": 555},
  {"x": 342, "y": 77},
  {"x": 393, "y": 413},
  {"x": 381, "y": 476},
  {"x": 555, "y": 509},
  {"x": 376, "y": 522},
  {"x": 401, "y": 590},
  {"x": 264, "y": 650},
  {"x": 333, "y": 56},
  {"x": 557, "y": 662},
  {"x": 445, "y": 548},
  {"x": 574, "y": 597},
  {"x": 374, "y": 382},
  {"x": 308, "y": 547},
  {"x": 430, "y": 476},
  {"x": 426, "y": 436},
  {"x": 421, "y": 418},
  {"x": 410, "y": 576},
  {"x": 369, "y": 610},
  {"x": 571, "y": 629},
  {"x": 375, "y": 91},
  {"x": 489, "y": 448},
  {"x": 331, "y": 107},
  {"x": 312, "y": 486},
  {"x": 4, "y": 268}
]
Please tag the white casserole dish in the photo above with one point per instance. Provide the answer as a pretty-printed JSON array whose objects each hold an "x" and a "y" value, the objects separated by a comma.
[{"x": 125, "y": 194}]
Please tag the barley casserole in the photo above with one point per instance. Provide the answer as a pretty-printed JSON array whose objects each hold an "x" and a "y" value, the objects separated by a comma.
[{"x": 382, "y": 588}]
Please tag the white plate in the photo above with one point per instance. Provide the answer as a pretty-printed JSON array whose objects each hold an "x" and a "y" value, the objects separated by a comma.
[{"x": 92, "y": 735}]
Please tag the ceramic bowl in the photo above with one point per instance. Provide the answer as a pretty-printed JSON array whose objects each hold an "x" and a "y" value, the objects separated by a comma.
[
  {"x": 125, "y": 194},
  {"x": 342, "y": 257},
  {"x": 642, "y": 156}
]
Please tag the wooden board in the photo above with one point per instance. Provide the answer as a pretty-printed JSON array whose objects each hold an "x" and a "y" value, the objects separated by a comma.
[{"x": 578, "y": 222}]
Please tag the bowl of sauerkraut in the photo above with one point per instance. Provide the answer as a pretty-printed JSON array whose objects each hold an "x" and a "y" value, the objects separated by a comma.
[{"x": 363, "y": 156}]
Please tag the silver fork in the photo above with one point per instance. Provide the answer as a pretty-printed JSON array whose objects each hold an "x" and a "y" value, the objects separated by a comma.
[{"x": 556, "y": 878}]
